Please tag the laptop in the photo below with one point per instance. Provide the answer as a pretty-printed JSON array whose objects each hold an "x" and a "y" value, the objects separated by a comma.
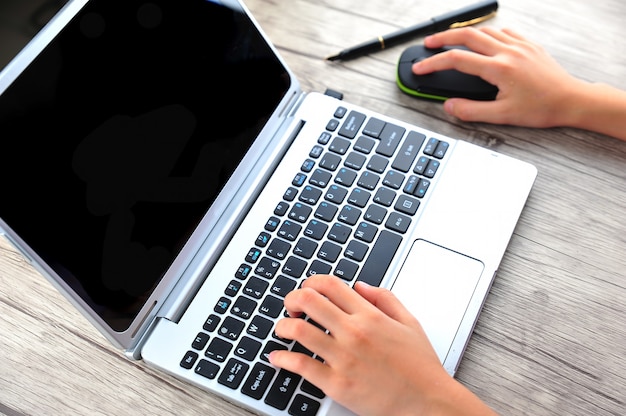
[{"x": 169, "y": 176}]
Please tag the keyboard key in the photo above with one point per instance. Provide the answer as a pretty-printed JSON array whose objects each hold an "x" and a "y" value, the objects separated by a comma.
[
  {"x": 218, "y": 349},
  {"x": 366, "y": 232},
  {"x": 233, "y": 373},
  {"x": 232, "y": 288},
  {"x": 231, "y": 328},
  {"x": 247, "y": 348},
  {"x": 336, "y": 194},
  {"x": 207, "y": 369},
  {"x": 283, "y": 285},
  {"x": 310, "y": 195},
  {"x": 329, "y": 252},
  {"x": 339, "y": 146},
  {"x": 304, "y": 406},
  {"x": 364, "y": 145},
  {"x": 200, "y": 341},
  {"x": 379, "y": 259},
  {"x": 346, "y": 269},
  {"x": 356, "y": 250},
  {"x": 282, "y": 389},
  {"x": 289, "y": 230},
  {"x": 330, "y": 161},
  {"x": 271, "y": 306},
  {"x": 315, "y": 229},
  {"x": 222, "y": 305},
  {"x": 375, "y": 214},
  {"x": 384, "y": 196},
  {"x": 390, "y": 138},
  {"x": 332, "y": 125},
  {"x": 441, "y": 149},
  {"x": 243, "y": 307},
  {"x": 268, "y": 267},
  {"x": 294, "y": 267},
  {"x": 260, "y": 327},
  {"x": 262, "y": 239},
  {"x": 377, "y": 164},
  {"x": 408, "y": 151},
  {"x": 352, "y": 124},
  {"x": 320, "y": 178},
  {"x": 349, "y": 215},
  {"x": 269, "y": 347},
  {"x": 312, "y": 389},
  {"x": 243, "y": 271},
  {"x": 430, "y": 147},
  {"x": 368, "y": 180},
  {"x": 326, "y": 211},
  {"x": 398, "y": 222},
  {"x": 211, "y": 323},
  {"x": 355, "y": 161},
  {"x": 345, "y": 177},
  {"x": 393, "y": 179},
  {"x": 189, "y": 359},
  {"x": 339, "y": 233},
  {"x": 407, "y": 205},
  {"x": 255, "y": 287},
  {"x": 305, "y": 248},
  {"x": 300, "y": 212},
  {"x": 373, "y": 127},
  {"x": 258, "y": 381},
  {"x": 277, "y": 249},
  {"x": 318, "y": 267}
]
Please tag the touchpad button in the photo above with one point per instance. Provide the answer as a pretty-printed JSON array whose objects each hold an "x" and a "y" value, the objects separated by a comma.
[{"x": 436, "y": 284}]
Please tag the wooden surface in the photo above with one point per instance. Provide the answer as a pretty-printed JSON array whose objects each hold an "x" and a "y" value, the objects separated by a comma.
[{"x": 552, "y": 336}]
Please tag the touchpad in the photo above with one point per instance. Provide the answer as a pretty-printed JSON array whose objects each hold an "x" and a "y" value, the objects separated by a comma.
[{"x": 436, "y": 284}]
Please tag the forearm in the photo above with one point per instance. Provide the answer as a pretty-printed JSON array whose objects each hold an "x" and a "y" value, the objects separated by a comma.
[{"x": 597, "y": 107}]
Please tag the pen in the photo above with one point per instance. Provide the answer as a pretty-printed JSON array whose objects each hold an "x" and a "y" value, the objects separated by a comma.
[{"x": 463, "y": 17}]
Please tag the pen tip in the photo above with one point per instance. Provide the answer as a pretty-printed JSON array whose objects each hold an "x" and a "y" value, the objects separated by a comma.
[{"x": 333, "y": 57}]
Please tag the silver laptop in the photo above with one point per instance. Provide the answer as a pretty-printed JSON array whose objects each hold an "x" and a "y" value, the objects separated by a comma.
[{"x": 170, "y": 177}]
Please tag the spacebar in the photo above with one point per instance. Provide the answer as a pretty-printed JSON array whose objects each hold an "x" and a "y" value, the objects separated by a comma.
[{"x": 380, "y": 258}]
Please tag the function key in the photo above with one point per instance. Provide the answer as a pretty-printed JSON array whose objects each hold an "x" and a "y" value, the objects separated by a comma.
[
  {"x": 332, "y": 125},
  {"x": 200, "y": 341},
  {"x": 340, "y": 112}
]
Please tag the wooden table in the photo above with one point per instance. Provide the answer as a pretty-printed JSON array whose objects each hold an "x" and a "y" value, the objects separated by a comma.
[{"x": 552, "y": 335}]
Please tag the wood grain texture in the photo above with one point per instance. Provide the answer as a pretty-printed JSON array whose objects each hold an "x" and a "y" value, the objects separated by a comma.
[{"x": 551, "y": 339}]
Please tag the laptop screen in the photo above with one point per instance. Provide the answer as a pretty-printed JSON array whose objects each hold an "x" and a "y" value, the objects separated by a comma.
[{"x": 119, "y": 135}]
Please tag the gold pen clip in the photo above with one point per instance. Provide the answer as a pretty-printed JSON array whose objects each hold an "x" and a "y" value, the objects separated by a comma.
[{"x": 473, "y": 21}]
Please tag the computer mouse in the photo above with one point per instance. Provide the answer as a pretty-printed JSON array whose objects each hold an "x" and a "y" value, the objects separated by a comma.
[{"x": 440, "y": 85}]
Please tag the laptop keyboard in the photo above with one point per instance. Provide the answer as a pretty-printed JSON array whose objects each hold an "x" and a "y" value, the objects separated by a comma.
[{"x": 344, "y": 214}]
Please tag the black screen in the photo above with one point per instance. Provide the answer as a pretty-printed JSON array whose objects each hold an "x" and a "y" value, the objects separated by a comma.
[{"x": 117, "y": 138}]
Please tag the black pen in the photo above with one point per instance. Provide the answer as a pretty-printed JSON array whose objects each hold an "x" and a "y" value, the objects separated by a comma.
[{"x": 463, "y": 17}]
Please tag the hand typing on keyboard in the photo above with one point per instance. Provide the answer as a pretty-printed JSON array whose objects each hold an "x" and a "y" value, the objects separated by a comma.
[{"x": 377, "y": 359}]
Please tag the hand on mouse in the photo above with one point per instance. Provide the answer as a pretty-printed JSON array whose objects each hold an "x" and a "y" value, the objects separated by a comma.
[
  {"x": 377, "y": 358},
  {"x": 534, "y": 90}
]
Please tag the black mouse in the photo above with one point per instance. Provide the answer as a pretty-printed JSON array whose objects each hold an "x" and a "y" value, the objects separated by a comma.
[{"x": 440, "y": 85}]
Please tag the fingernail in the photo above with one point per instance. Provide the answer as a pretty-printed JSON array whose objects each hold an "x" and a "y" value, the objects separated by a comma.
[{"x": 448, "y": 106}]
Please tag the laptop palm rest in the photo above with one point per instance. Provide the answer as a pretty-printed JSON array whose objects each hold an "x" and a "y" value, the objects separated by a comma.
[{"x": 436, "y": 285}]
